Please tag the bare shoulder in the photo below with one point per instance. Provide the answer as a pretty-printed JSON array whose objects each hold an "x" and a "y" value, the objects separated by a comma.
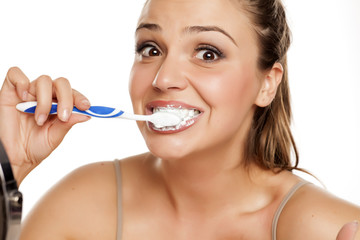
[
  {"x": 76, "y": 206},
  {"x": 314, "y": 213},
  {"x": 83, "y": 205}
]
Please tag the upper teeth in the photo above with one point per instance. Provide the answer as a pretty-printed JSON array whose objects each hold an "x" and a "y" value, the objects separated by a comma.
[{"x": 182, "y": 112}]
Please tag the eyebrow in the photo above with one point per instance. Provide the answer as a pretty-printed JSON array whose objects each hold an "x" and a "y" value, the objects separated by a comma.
[
  {"x": 190, "y": 29},
  {"x": 198, "y": 29},
  {"x": 149, "y": 26}
]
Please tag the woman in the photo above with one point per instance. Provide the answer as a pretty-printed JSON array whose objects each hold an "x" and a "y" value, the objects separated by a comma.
[{"x": 224, "y": 174}]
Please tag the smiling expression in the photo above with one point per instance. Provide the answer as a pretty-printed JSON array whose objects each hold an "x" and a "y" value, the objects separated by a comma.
[{"x": 199, "y": 57}]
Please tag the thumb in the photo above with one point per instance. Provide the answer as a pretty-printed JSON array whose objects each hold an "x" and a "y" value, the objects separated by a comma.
[
  {"x": 58, "y": 129},
  {"x": 348, "y": 231}
]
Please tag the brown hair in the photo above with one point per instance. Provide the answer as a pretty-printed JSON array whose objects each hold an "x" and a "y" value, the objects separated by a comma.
[{"x": 270, "y": 142}]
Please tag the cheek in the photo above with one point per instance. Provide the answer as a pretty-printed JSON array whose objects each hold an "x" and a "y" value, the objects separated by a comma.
[
  {"x": 140, "y": 81},
  {"x": 233, "y": 87}
]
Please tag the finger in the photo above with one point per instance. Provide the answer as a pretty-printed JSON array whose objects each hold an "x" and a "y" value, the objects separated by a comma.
[
  {"x": 43, "y": 92},
  {"x": 348, "y": 231},
  {"x": 58, "y": 129},
  {"x": 64, "y": 95},
  {"x": 80, "y": 101},
  {"x": 15, "y": 78}
]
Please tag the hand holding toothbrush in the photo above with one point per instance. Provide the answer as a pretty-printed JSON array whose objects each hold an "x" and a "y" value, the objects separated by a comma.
[{"x": 29, "y": 139}]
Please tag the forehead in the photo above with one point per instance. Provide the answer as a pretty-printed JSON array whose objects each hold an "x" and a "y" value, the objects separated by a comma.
[{"x": 179, "y": 14}]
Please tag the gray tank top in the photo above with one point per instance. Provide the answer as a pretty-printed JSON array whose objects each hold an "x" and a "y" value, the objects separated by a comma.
[{"x": 119, "y": 203}]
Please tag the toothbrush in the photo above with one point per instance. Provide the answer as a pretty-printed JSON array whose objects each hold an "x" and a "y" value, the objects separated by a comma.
[{"x": 159, "y": 119}]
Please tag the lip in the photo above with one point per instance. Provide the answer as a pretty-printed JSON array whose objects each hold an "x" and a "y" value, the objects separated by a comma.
[{"x": 174, "y": 104}]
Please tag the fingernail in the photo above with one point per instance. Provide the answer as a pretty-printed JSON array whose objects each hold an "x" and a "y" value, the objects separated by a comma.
[
  {"x": 41, "y": 119},
  {"x": 86, "y": 102},
  {"x": 24, "y": 95},
  {"x": 65, "y": 115}
]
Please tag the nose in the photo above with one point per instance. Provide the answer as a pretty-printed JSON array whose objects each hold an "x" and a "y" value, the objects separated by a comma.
[{"x": 170, "y": 76}]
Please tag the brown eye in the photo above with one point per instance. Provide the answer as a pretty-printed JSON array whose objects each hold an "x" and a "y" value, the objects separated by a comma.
[
  {"x": 207, "y": 55},
  {"x": 150, "y": 51}
]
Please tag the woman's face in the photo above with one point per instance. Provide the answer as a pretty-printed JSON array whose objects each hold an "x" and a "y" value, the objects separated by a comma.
[{"x": 198, "y": 58}]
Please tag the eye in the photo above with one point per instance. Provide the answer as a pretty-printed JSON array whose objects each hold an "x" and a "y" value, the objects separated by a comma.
[
  {"x": 208, "y": 53},
  {"x": 148, "y": 50}
]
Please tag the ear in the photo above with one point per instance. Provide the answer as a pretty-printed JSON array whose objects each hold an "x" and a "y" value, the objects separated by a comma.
[{"x": 269, "y": 85}]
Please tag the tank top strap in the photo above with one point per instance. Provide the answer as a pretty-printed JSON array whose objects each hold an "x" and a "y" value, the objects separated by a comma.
[
  {"x": 282, "y": 205},
  {"x": 119, "y": 199}
]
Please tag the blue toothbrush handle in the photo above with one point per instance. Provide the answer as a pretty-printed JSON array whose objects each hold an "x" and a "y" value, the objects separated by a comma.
[{"x": 93, "y": 111}]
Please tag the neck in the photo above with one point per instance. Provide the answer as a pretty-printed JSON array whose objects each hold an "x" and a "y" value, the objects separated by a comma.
[{"x": 206, "y": 183}]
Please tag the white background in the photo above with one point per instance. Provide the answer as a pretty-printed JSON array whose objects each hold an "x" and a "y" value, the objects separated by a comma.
[{"x": 92, "y": 44}]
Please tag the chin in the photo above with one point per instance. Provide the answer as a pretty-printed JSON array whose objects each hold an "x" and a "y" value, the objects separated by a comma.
[
  {"x": 167, "y": 149},
  {"x": 167, "y": 146}
]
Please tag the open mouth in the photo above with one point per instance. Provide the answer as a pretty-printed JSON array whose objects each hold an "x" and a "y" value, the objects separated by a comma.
[{"x": 188, "y": 117}]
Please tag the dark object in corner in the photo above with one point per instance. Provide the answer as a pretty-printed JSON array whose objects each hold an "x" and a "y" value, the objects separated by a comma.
[{"x": 10, "y": 200}]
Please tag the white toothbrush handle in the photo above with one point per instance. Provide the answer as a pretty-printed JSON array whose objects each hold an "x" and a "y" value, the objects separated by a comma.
[
  {"x": 159, "y": 119},
  {"x": 136, "y": 117}
]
